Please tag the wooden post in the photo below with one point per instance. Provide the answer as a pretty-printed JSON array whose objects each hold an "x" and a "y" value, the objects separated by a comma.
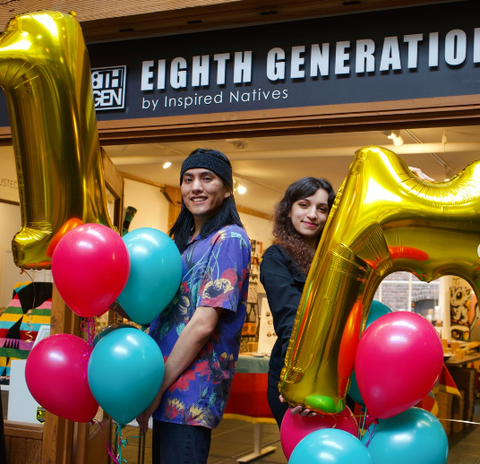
[{"x": 58, "y": 433}]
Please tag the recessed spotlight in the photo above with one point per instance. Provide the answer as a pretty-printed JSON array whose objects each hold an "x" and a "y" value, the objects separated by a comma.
[
  {"x": 167, "y": 165},
  {"x": 242, "y": 189}
]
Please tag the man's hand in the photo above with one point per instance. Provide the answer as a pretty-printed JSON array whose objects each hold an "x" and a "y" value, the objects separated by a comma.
[
  {"x": 144, "y": 417},
  {"x": 192, "y": 339}
]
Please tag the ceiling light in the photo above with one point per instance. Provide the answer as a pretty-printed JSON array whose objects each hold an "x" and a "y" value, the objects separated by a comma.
[
  {"x": 395, "y": 137},
  {"x": 242, "y": 189},
  {"x": 167, "y": 165}
]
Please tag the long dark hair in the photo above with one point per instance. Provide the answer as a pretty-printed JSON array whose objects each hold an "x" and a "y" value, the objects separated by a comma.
[
  {"x": 283, "y": 230},
  {"x": 184, "y": 226}
]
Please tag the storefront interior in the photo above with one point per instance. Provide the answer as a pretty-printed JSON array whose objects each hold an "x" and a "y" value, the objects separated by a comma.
[
  {"x": 265, "y": 166},
  {"x": 270, "y": 144}
]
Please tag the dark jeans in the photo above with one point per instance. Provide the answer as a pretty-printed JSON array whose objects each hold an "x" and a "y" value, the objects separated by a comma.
[
  {"x": 180, "y": 444},
  {"x": 278, "y": 408}
]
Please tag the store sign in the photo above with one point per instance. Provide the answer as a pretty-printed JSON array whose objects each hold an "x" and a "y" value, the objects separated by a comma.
[
  {"x": 409, "y": 53},
  {"x": 109, "y": 86}
]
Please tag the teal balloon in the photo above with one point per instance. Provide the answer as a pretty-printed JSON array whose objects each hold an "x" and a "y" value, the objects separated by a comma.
[
  {"x": 125, "y": 372},
  {"x": 330, "y": 446},
  {"x": 414, "y": 437},
  {"x": 377, "y": 310},
  {"x": 155, "y": 274},
  {"x": 111, "y": 328},
  {"x": 354, "y": 392}
]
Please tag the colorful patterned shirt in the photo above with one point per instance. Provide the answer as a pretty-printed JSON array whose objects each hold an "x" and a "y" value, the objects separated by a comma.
[{"x": 215, "y": 274}]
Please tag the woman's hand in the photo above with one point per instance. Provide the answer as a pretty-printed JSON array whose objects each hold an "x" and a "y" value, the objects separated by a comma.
[
  {"x": 299, "y": 409},
  {"x": 419, "y": 173}
]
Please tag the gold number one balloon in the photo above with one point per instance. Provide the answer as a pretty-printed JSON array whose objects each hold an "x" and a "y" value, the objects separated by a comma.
[
  {"x": 45, "y": 73},
  {"x": 384, "y": 220}
]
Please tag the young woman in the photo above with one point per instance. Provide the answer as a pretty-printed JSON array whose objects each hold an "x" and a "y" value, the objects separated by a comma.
[{"x": 299, "y": 219}]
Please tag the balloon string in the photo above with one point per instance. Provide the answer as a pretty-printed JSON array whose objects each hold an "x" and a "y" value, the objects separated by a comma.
[
  {"x": 363, "y": 417},
  {"x": 336, "y": 422},
  {"x": 120, "y": 442},
  {"x": 105, "y": 442},
  {"x": 29, "y": 334},
  {"x": 362, "y": 427},
  {"x": 461, "y": 421},
  {"x": 88, "y": 326},
  {"x": 371, "y": 432}
]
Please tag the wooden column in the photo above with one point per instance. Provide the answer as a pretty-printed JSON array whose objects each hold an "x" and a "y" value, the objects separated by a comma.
[{"x": 58, "y": 433}]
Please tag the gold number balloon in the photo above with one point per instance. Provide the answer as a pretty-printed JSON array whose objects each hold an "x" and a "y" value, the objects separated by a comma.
[
  {"x": 45, "y": 73},
  {"x": 385, "y": 219}
]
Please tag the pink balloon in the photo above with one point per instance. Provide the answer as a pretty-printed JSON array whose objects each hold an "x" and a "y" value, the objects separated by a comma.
[
  {"x": 399, "y": 359},
  {"x": 56, "y": 377},
  {"x": 296, "y": 427},
  {"x": 90, "y": 267}
]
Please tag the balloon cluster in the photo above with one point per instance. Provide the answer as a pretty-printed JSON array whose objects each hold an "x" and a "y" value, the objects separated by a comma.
[
  {"x": 398, "y": 361},
  {"x": 121, "y": 369},
  {"x": 384, "y": 220}
]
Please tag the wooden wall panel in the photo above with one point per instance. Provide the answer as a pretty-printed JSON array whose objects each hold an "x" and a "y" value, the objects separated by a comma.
[{"x": 23, "y": 443}]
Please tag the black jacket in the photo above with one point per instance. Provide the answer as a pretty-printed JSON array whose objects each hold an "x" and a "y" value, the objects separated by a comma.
[{"x": 283, "y": 282}]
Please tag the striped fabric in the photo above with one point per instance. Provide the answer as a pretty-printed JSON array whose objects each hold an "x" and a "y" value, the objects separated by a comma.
[{"x": 29, "y": 309}]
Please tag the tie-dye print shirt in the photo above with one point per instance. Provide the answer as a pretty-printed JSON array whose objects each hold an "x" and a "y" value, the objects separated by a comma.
[{"x": 215, "y": 274}]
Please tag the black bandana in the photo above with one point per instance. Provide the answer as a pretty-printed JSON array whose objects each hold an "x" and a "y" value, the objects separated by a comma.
[{"x": 209, "y": 160}]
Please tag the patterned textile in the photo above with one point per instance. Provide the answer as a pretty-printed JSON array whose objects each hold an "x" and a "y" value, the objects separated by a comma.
[
  {"x": 444, "y": 384},
  {"x": 29, "y": 309},
  {"x": 429, "y": 403},
  {"x": 215, "y": 274}
]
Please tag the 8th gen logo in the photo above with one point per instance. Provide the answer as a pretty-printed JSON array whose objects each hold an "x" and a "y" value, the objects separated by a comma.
[{"x": 109, "y": 85}]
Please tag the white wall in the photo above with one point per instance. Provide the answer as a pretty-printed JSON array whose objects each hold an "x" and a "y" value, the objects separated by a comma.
[
  {"x": 10, "y": 274},
  {"x": 151, "y": 205},
  {"x": 152, "y": 211},
  {"x": 258, "y": 229}
]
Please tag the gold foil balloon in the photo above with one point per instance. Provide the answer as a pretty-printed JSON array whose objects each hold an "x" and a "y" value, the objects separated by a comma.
[
  {"x": 385, "y": 219},
  {"x": 45, "y": 73}
]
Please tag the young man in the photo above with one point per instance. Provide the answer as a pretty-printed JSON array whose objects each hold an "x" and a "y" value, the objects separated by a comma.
[{"x": 199, "y": 332}]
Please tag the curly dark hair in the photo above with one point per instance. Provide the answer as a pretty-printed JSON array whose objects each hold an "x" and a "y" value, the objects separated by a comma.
[{"x": 283, "y": 230}]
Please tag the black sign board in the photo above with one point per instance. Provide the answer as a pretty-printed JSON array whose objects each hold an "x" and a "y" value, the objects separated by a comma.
[{"x": 407, "y": 53}]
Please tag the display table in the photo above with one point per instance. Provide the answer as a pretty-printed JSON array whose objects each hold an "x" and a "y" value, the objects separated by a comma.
[
  {"x": 453, "y": 362},
  {"x": 248, "y": 400},
  {"x": 455, "y": 394}
]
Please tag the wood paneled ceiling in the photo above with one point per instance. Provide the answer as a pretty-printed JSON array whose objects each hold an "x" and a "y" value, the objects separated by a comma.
[{"x": 110, "y": 20}]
